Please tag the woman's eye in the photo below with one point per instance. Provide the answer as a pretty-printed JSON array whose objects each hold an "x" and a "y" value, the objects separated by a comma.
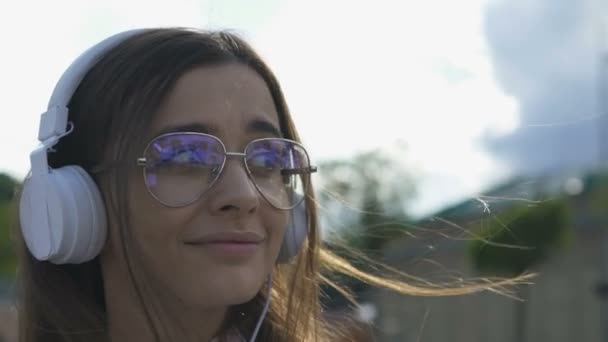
[
  {"x": 180, "y": 159},
  {"x": 267, "y": 160},
  {"x": 183, "y": 158}
]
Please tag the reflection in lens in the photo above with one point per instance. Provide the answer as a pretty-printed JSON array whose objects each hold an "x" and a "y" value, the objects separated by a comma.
[
  {"x": 181, "y": 166},
  {"x": 278, "y": 167}
]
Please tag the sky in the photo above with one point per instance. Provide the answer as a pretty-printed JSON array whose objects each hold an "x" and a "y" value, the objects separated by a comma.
[{"x": 477, "y": 90}]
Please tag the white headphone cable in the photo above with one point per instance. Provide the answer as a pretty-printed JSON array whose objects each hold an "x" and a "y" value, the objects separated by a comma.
[{"x": 265, "y": 311}]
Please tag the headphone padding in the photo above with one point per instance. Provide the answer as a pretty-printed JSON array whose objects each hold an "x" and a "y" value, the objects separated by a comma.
[
  {"x": 61, "y": 223},
  {"x": 77, "y": 217},
  {"x": 98, "y": 219}
]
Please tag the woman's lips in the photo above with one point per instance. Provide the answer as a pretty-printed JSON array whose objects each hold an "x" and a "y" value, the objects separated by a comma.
[
  {"x": 227, "y": 237},
  {"x": 229, "y": 244},
  {"x": 232, "y": 249}
]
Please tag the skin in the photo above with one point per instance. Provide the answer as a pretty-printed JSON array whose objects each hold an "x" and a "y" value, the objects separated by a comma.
[{"x": 194, "y": 286}]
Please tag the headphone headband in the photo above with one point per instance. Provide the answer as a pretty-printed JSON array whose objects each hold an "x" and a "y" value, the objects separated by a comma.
[
  {"x": 55, "y": 120},
  {"x": 69, "y": 81}
]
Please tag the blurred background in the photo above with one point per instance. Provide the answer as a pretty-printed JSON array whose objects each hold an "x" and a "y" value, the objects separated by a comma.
[{"x": 454, "y": 140}]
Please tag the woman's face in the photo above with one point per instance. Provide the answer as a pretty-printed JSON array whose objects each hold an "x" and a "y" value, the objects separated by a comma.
[{"x": 233, "y": 103}]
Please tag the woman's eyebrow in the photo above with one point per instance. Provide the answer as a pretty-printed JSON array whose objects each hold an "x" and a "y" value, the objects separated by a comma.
[
  {"x": 254, "y": 126},
  {"x": 190, "y": 127},
  {"x": 263, "y": 126}
]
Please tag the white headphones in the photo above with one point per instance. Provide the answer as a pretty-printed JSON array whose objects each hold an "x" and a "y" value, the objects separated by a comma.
[{"x": 61, "y": 212}]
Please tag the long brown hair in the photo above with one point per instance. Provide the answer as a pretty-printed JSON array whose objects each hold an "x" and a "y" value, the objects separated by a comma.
[{"x": 111, "y": 110}]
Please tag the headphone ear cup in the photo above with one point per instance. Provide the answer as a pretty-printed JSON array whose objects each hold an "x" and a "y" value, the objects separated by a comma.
[
  {"x": 295, "y": 234},
  {"x": 74, "y": 225}
]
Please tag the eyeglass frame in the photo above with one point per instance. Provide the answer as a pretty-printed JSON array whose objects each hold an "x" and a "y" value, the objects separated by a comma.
[{"x": 304, "y": 172}]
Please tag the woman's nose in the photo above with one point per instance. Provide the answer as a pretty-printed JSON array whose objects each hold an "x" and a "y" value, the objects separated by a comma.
[{"x": 234, "y": 192}]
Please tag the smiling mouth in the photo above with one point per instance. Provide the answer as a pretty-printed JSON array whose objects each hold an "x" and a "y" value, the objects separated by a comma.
[
  {"x": 215, "y": 243},
  {"x": 233, "y": 245},
  {"x": 227, "y": 237}
]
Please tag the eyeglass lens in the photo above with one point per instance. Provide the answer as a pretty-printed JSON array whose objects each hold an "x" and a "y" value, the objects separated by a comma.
[{"x": 181, "y": 167}]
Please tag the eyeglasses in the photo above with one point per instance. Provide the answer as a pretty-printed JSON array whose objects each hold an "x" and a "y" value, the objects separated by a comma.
[{"x": 180, "y": 167}]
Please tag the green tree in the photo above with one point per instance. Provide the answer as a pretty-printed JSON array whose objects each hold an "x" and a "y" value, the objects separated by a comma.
[
  {"x": 369, "y": 194},
  {"x": 596, "y": 188},
  {"x": 8, "y": 261},
  {"x": 520, "y": 238},
  {"x": 7, "y": 187}
]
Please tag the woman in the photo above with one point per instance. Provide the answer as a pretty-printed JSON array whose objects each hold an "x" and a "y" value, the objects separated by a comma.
[{"x": 198, "y": 195}]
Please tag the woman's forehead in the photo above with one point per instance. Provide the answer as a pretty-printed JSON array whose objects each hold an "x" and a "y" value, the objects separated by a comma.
[{"x": 226, "y": 99}]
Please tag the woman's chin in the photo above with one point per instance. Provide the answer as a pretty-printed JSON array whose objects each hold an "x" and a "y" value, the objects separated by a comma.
[{"x": 225, "y": 290}]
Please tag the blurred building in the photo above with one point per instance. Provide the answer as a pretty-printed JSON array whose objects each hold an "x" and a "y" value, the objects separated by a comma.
[{"x": 563, "y": 305}]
